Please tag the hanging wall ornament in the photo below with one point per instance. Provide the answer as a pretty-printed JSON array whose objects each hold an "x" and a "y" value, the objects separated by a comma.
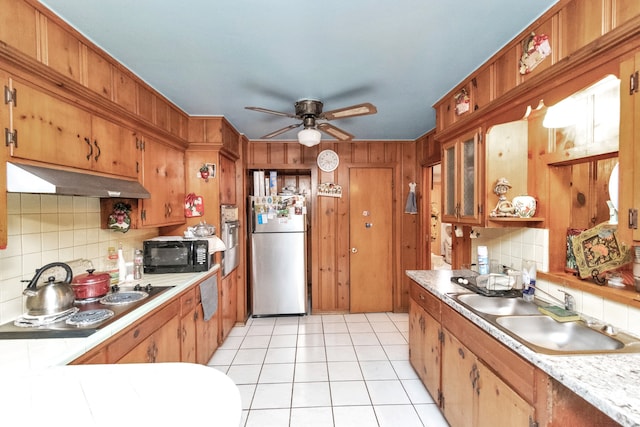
[
  {"x": 119, "y": 219},
  {"x": 193, "y": 205},
  {"x": 535, "y": 49},
  {"x": 462, "y": 101}
]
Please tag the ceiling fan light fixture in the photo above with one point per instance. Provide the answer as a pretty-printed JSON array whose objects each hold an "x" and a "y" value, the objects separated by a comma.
[{"x": 309, "y": 137}]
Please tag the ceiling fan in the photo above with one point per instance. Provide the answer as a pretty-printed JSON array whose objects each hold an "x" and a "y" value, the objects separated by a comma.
[{"x": 310, "y": 112}]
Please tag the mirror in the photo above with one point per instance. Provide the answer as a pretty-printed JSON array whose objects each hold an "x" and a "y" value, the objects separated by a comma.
[{"x": 439, "y": 232}]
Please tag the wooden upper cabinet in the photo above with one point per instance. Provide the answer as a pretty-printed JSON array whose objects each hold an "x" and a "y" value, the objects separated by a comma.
[
  {"x": 50, "y": 130},
  {"x": 125, "y": 91},
  {"x": 113, "y": 152},
  {"x": 462, "y": 179},
  {"x": 625, "y": 10},
  {"x": 18, "y": 26},
  {"x": 163, "y": 177},
  {"x": 227, "y": 175},
  {"x": 62, "y": 51},
  {"x": 98, "y": 76}
]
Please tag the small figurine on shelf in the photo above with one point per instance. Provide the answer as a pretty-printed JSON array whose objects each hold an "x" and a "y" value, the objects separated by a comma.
[
  {"x": 504, "y": 208},
  {"x": 119, "y": 219}
]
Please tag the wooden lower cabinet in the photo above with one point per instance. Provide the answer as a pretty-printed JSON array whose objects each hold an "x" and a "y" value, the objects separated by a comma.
[
  {"x": 174, "y": 332},
  {"x": 229, "y": 304},
  {"x": 472, "y": 395},
  {"x": 478, "y": 381},
  {"x": 424, "y": 347}
]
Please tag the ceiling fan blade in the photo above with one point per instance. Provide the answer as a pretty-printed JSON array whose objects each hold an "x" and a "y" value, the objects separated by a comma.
[
  {"x": 265, "y": 110},
  {"x": 335, "y": 132},
  {"x": 280, "y": 131},
  {"x": 352, "y": 111}
]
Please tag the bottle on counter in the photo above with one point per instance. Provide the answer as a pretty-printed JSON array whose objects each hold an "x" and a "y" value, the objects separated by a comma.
[
  {"x": 483, "y": 260},
  {"x": 122, "y": 265},
  {"x": 112, "y": 266},
  {"x": 528, "y": 279},
  {"x": 137, "y": 264}
]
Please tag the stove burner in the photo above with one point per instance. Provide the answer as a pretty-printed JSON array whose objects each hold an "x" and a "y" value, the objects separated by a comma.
[
  {"x": 89, "y": 317},
  {"x": 27, "y": 321},
  {"x": 87, "y": 300},
  {"x": 122, "y": 298}
]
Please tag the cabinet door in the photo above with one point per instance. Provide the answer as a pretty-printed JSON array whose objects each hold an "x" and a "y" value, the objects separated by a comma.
[
  {"x": 228, "y": 299},
  {"x": 159, "y": 347},
  {"x": 163, "y": 177},
  {"x": 459, "y": 382},
  {"x": 629, "y": 154},
  {"x": 50, "y": 130},
  {"x": 113, "y": 153},
  {"x": 498, "y": 404},
  {"x": 227, "y": 181},
  {"x": 461, "y": 183},
  {"x": 188, "y": 319},
  {"x": 424, "y": 347}
]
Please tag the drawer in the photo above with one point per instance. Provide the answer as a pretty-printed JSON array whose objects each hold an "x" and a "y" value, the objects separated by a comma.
[
  {"x": 426, "y": 300},
  {"x": 188, "y": 301}
]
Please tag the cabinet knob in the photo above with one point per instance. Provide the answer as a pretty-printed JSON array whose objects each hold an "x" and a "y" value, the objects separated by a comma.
[{"x": 354, "y": 250}]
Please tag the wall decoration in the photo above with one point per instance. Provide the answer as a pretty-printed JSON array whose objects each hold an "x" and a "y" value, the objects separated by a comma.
[
  {"x": 410, "y": 206},
  {"x": 462, "y": 101},
  {"x": 598, "y": 250},
  {"x": 193, "y": 206},
  {"x": 535, "y": 49},
  {"x": 206, "y": 171},
  {"x": 119, "y": 219},
  {"x": 329, "y": 189}
]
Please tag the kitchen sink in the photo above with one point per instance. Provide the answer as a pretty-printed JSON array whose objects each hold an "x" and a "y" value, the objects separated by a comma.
[
  {"x": 523, "y": 322},
  {"x": 547, "y": 333},
  {"x": 498, "y": 306}
]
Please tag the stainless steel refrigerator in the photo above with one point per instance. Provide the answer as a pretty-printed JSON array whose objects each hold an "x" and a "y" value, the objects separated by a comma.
[{"x": 278, "y": 227}]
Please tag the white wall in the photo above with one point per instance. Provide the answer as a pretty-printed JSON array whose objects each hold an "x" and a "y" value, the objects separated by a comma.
[
  {"x": 510, "y": 245},
  {"x": 49, "y": 228}
]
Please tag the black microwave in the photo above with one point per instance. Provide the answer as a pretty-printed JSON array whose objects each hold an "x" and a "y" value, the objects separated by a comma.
[{"x": 169, "y": 254}]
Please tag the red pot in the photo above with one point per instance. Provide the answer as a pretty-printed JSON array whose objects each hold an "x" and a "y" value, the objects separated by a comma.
[{"x": 91, "y": 285}]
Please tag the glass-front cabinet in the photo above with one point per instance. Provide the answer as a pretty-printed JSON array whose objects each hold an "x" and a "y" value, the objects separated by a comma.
[{"x": 461, "y": 183}]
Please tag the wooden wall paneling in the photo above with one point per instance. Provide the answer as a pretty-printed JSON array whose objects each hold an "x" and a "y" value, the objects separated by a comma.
[
  {"x": 173, "y": 121},
  {"x": 125, "y": 90},
  {"x": 377, "y": 153},
  {"x": 277, "y": 154},
  {"x": 62, "y": 51},
  {"x": 145, "y": 103},
  {"x": 581, "y": 22},
  {"x": 410, "y": 225},
  {"x": 625, "y": 10},
  {"x": 342, "y": 242},
  {"x": 213, "y": 129},
  {"x": 19, "y": 26},
  {"x": 98, "y": 73},
  {"x": 162, "y": 114},
  {"x": 483, "y": 87},
  {"x": 506, "y": 70},
  {"x": 325, "y": 299},
  {"x": 537, "y": 170}
]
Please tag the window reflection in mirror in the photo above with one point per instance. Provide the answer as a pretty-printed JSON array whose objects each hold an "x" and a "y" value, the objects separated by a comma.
[{"x": 588, "y": 117}]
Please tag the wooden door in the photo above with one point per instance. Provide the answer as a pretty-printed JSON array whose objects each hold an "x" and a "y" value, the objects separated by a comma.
[{"x": 370, "y": 239}]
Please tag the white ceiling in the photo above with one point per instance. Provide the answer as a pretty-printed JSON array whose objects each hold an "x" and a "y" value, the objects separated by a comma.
[{"x": 214, "y": 57}]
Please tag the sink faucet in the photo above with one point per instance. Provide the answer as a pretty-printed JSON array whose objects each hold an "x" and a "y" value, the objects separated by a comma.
[{"x": 569, "y": 302}]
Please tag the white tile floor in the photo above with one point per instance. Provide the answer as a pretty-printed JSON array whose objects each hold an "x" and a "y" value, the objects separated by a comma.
[{"x": 326, "y": 370}]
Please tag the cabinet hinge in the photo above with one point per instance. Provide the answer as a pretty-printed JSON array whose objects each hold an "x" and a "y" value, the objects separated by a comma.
[
  {"x": 143, "y": 214},
  {"x": 440, "y": 399},
  {"x": 441, "y": 336},
  {"x": 137, "y": 167},
  {"x": 10, "y": 96},
  {"x": 633, "y": 83},
  {"x": 480, "y": 138},
  {"x": 633, "y": 218},
  {"x": 11, "y": 137},
  {"x": 532, "y": 422}
]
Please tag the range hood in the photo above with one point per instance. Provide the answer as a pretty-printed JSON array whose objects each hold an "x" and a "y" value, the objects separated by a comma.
[{"x": 36, "y": 179}]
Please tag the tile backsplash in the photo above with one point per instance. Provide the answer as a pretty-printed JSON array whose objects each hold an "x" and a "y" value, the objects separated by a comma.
[
  {"x": 49, "y": 228},
  {"x": 509, "y": 246}
]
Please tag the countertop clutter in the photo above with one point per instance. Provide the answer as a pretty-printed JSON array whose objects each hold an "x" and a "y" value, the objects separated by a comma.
[
  {"x": 610, "y": 382},
  {"x": 37, "y": 384}
]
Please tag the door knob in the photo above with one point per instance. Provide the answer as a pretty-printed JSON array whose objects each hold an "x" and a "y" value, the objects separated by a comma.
[{"x": 354, "y": 250}]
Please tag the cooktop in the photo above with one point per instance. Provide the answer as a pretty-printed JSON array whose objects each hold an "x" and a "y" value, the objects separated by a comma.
[{"x": 114, "y": 305}]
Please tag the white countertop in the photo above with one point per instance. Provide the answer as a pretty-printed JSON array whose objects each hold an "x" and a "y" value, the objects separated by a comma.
[
  {"x": 145, "y": 394},
  {"x": 37, "y": 386},
  {"x": 41, "y": 353},
  {"x": 610, "y": 382}
]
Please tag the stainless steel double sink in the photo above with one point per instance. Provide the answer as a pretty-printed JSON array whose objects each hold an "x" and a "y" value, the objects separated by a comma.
[{"x": 525, "y": 323}]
